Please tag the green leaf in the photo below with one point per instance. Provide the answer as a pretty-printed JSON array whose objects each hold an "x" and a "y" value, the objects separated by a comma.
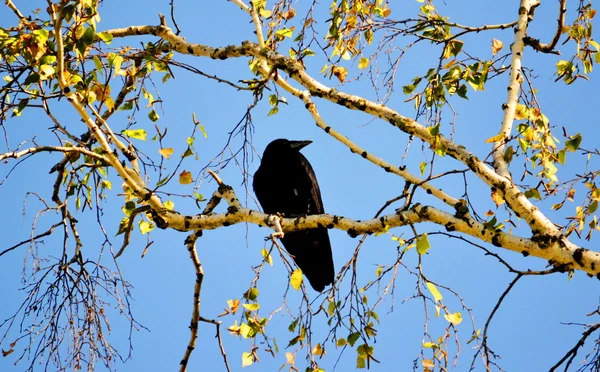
[
  {"x": 252, "y": 307},
  {"x": 123, "y": 225},
  {"x": 152, "y": 115},
  {"x": 365, "y": 350},
  {"x": 273, "y": 101},
  {"x": 135, "y": 133},
  {"x": 508, "y": 154},
  {"x": 128, "y": 208},
  {"x": 341, "y": 342},
  {"x": 562, "y": 156},
  {"x": 408, "y": 89},
  {"x": 127, "y": 106},
  {"x": 88, "y": 35},
  {"x": 115, "y": 61},
  {"x": 296, "y": 279},
  {"x": 251, "y": 294},
  {"x": 573, "y": 143},
  {"x": 286, "y": 32},
  {"x": 106, "y": 37},
  {"x": 188, "y": 152},
  {"x": 361, "y": 362},
  {"x": 462, "y": 91},
  {"x": 353, "y": 337},
  {"x": 592, "y": 207},
  {"x": 437, "y": 296},
  {"x": 423, "y": 244},
  {"x": 533, "y": 193},
  {"x": 435, "y": 130},
  {"x": 162, "y": 182}
]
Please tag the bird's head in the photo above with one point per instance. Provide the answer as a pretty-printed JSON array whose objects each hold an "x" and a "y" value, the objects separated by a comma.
[{"x": 282, "y": 146}]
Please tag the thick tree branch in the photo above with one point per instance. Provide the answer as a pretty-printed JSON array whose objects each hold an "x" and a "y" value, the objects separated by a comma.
[
  {"x": 556, "y": 249},
  {"x": 514, "y": 85},
  {"x": 516, "y": 200}
]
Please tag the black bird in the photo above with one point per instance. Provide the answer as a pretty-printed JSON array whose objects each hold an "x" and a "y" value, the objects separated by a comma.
[{"x": 286, "y": 183}]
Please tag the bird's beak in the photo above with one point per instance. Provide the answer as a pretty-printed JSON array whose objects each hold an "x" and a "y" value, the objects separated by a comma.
[{"x": 297, "y": 145}]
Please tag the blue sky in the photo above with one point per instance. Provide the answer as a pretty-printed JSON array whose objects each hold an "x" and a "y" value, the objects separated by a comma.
[{"x": 527, "y": 331}]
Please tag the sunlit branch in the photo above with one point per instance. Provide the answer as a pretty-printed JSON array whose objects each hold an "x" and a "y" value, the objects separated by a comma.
[
  {"x": 514, "y": 86},
  {"x": 400, "y": 171},
  {"x": 549, "y": 47},
  {"x": 62, "y": 149},
  {"x": 129, "y": 176}
]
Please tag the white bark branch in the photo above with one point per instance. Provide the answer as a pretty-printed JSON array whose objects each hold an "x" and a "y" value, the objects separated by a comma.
[
  {"x": 557, "y": 250},
  {"x": 513, "y": 89}
]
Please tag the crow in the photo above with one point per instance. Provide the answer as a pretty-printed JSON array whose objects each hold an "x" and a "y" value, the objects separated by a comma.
[{"x": 286, "y": 183}]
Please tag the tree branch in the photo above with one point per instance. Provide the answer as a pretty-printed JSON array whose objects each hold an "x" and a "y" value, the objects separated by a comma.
[
  {"x": 514, "y": 85},
  {"x": 516, "y": 200},
  {"x": 549, "y": 48}
]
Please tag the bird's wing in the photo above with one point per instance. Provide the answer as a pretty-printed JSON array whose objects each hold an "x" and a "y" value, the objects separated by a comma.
[{"x": 315, "y": 202}]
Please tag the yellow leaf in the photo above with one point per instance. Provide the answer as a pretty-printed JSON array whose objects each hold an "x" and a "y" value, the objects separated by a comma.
[
  {"x": 363, "y": 63},
  {"x": 429, "y": 345},
  {"x": 455, "y": 318},
  {"x": 185, "y": 178},
  {"x": 233, "y": 305},
  {"x": 296, "y": 279},
  {"x": 496, "y": 138},
  {"x": 340, "y": 73},
  {"x": 496, "y": 197},
  {"x": 46, "y": 71},
  {"x": 146, "y": 227},
  {"x": 497, "y": 45},
  {"x": 252, "y": 307},
  {"x": 166, "y": 152},
  {"x": 135, "y": 133},
  {"x": 247, "y": 359},
  {"x": 267, "y": 256},
  {"x": 521, "y": 112},
  {"x": 423, "y": 244},
  {"x": 265, "y": 13},
  {"x": 289, "y": 358},
  {"x": 318, "y": 350},
  {"x": 437, "y": 296},
  {"x": 169, "y": 205},
  {"x": 428, "y": 363}
]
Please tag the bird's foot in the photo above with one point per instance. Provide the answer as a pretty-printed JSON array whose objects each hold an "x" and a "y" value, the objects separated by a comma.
[
  {"x": 278, "y": 234},
  {"x": 275, "y": 222}
]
